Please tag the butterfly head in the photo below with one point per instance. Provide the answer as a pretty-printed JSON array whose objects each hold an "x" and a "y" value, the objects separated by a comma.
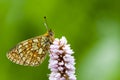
[
  {"x": 50, "y": 32},
  {"x": 50, "y": 35}
]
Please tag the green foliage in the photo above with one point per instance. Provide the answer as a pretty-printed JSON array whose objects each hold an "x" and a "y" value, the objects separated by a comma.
[{"x": 91, "y": 27}]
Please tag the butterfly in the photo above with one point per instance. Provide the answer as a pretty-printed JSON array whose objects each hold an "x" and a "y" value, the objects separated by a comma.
[{"x": 33, "y": 51}]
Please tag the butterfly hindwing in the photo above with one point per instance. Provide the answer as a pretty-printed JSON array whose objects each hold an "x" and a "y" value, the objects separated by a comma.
[{"x": 30, "y": 52}]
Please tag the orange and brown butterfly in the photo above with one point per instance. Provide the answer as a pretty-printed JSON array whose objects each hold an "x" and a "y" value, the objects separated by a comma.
[{"x": 32, "y": 52}]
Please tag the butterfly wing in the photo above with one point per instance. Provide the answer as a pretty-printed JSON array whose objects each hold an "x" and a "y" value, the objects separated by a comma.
[{"x": 31, "y": 52}]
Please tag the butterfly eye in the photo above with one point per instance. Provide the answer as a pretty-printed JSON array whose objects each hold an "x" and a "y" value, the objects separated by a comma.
[{"x": 50, "y": 32}]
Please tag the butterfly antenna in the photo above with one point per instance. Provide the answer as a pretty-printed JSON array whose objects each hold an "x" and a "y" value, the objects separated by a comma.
[{"x": 45, "y": 23}]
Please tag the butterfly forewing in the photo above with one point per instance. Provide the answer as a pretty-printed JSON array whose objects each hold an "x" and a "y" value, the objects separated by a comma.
[{"x": 31, "y": 52}]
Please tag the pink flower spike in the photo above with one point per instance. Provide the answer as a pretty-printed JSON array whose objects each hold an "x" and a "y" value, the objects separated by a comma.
[{"x": 61, "y": 63}]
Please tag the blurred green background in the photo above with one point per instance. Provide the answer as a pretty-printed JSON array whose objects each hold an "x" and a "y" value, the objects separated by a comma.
[{"x": 92, "y": 27}]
